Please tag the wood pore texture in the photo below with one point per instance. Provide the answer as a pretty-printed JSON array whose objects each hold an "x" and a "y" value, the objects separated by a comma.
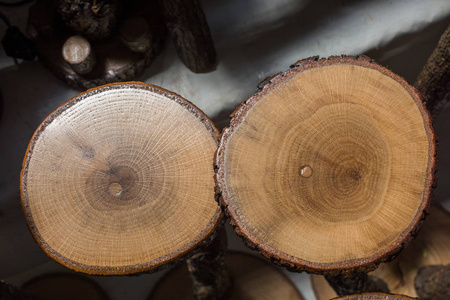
[
  {"x": 119, "y": 180},
  {"x": 365, "y": 142}
]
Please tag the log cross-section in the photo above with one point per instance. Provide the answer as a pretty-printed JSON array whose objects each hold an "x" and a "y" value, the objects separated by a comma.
[
  {"x": 119, "y": 180},
  {"x": 329, "y": 167}
]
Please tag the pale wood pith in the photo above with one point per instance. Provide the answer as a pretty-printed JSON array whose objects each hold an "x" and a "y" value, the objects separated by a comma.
[
  {"x": 119, "y": 180},
  {"x": 371, "y": 147}
]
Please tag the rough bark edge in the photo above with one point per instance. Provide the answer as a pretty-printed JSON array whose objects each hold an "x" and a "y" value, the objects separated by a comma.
[
  {"x": 434, "y": 79},
  {"x": 295, "y": 264},
  {"x": 93, "y": 284},
  {"x": 380, "y": 296},
  {"x": 202, "y": 238}
]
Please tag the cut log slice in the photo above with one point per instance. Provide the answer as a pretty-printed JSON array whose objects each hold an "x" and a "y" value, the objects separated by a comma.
[
  {"x": 431, "y": 249},
  {"x": 66, "y": 286},
  {"x": 375, "y": 296},
  {"x": 252, "y": 277},
  {"x": 119, "y": 180},
  {"x": 330, "y": 167}
]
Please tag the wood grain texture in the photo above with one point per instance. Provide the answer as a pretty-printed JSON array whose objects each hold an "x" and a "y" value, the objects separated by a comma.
[
  {"x": 369, "y": 142},
  {"x": 253, "y": 278},
  {"x": 119, "y": 180}
]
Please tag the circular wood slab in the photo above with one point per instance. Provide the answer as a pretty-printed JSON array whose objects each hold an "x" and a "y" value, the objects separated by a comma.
[
  {"x": 58, "y": 286},
  {"x": 252, "y": 277},
  {"x": 330, "y": 167},
  {"x": 119, "y": 180}
]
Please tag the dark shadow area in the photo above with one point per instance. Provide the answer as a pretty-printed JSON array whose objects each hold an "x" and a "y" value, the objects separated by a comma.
[
  {"x": 407, "y": 54},
  {"x": 273, "y": 38}
]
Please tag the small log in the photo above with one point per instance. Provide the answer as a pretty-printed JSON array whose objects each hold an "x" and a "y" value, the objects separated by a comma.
[
  {"x": 358, "y": 283},
  {"x": 189, "y": 30},
  {"x": 433, "y": 282},
  {"x": 253, "y": 278},
  {"x": 118, "y": 180},
  {"x": 208, "y": 272},
  {"x": 434, "y": 80},
  {"x": 77, "y": 51},
  {"x": 136, "y": 34}
]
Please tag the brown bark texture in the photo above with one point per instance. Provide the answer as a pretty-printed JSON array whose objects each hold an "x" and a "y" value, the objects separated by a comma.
[
  {"x": 209, "y": 275},
  {"x": 189, "y": 30},
  {"x": 9, "y": 292},
  {"x": 95, "y": 20},
  {"x": 433, "y": 282},
  {"x": 434, "y": 80},
  {"x": 356, "y": 284}
]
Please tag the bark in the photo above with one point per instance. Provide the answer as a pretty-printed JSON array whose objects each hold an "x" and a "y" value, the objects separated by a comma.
[
  {"x": 433, "y": 282},
  {"x": 434, "y": 80},
  {"x": 356, "y": 284},
  {"x": 95, "y": 20},
  {"x": 9, "y": 292},
  {"x": 189, "y": 30},
  {"x": 208, "y": 272}
]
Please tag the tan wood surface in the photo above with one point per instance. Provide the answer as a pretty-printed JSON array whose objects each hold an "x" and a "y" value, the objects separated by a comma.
[
  {"x": 120, "y": 180},
  {"x": 329, "y": 166}
]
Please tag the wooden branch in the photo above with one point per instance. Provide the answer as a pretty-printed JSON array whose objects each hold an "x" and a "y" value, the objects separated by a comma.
[
  {"x": 356, "y": 284},
  {"x": 189, "y": 30},
  {"x": 208, "y": 272},
  {"x": 433, "y": 282},
  {"x": 119, "y": 180},
  {"x": 253, "y": 279},
  {"x": 434, "y": 80},
  {"x": 362, "y": 131},
  {"x": 78, "y": 53}
]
